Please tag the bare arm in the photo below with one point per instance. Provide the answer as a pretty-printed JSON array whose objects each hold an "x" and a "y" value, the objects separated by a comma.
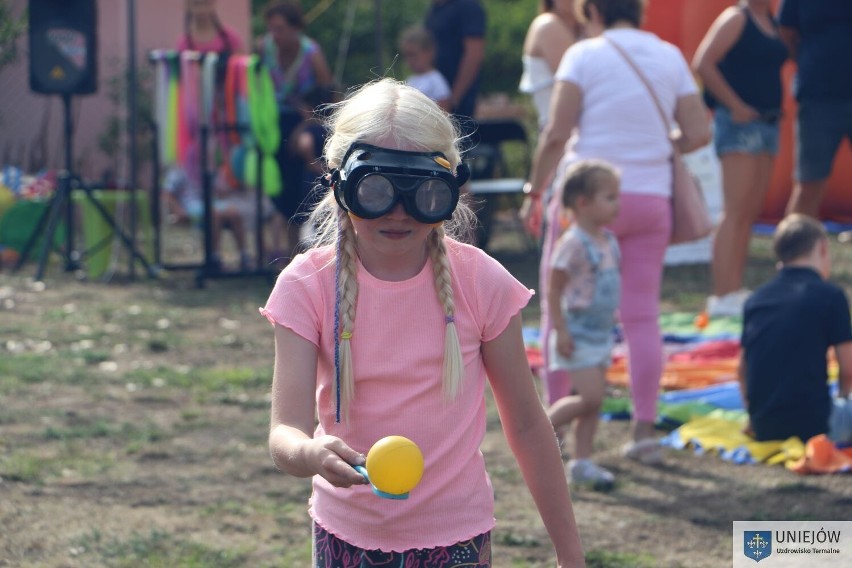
[
  {"x": 548, "y": 37},
  {"x": 692, "y": 118},
  {"x": 532, "y": 440},
  {"x": 292, "y": 446},
  {"x": 722, "y": 36},
  {"x": 791, "y": 38},
  {"x": 564, "y": 114},
  {"x": 741, "y": 377},
  {"x": 474, "y": 53},
  {"x": 556, "y": 287},
  {"x": 843, "y": 353}
]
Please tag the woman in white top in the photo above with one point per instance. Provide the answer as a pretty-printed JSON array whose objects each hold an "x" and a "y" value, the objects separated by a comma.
[
  {"x": 599, "y": 93},
  {"x": 549, "y": 35}
]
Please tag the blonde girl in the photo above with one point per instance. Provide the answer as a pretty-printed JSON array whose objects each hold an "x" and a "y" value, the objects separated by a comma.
[{"x": 388, "y": 326}]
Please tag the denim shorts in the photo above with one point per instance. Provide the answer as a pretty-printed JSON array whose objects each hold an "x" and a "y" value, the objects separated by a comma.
[
  {"x": 586, "y": 355},
  {"x": 755, "y": 137},
  {"x": 820, "y": 127},
  {"x": 840, "y": 421}
]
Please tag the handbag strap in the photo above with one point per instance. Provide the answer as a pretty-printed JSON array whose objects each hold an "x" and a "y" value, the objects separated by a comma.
[{"x": 648, "y": 86}]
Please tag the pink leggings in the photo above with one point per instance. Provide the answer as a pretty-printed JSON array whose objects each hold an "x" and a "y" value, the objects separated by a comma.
[{"x": 642, "y": 227}]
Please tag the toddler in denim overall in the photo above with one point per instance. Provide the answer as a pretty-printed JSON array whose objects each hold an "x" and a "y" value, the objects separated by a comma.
[
  {"x": 590, "y": 324},
  {"x": 583, "y": 294}
]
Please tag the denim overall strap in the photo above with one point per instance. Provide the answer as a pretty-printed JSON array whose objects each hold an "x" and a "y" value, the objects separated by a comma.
[{"x": 595, "y": 322}]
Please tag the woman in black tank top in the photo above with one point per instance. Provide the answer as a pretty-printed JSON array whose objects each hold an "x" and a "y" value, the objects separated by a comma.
[{"x": 739, "y": 61}]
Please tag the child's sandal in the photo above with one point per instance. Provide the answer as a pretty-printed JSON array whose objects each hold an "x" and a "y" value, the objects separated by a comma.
[{"x": 646, "y": 452}]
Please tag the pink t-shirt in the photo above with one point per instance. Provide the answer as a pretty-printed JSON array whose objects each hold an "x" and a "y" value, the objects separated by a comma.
[
  {"x": 397, "y": 352},
  {"x": 217, "y": 45}
]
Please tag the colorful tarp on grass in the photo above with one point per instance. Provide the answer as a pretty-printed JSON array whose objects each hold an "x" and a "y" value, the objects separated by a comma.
[{"x": 701, "y": 402}]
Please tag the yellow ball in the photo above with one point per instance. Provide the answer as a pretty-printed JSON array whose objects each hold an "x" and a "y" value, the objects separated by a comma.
[{"x": 395, "y": 465}]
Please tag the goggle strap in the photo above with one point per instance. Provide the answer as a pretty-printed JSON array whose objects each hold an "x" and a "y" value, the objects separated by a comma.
[
  {"x": 462, "y": 174},
  {"x": 329, "y": 179}
]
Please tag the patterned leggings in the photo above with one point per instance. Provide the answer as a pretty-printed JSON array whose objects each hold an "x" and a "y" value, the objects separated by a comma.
[{"x": 331, "y": 552}]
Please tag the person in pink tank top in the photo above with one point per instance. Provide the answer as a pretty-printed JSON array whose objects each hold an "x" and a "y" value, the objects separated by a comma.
[
  {"x": 390, "y": 326},
  {"x": 204, "y": 31}
]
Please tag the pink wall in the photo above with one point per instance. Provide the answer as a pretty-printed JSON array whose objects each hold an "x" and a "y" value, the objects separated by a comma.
[{"x": 32, "y": 124}]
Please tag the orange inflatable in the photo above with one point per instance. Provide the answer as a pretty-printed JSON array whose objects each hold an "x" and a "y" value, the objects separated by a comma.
[{"x": 684, "y": 24}]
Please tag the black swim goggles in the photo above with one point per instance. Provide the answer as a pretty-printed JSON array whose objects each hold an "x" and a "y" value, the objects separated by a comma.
[{"x": 373, "y": 180}]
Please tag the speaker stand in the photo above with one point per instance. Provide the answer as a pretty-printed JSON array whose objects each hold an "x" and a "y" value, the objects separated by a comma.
[{"x": 60, "y": 203}]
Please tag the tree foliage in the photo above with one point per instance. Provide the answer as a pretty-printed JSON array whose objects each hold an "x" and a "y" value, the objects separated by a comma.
[
  {"x": 507, "y": 24},
  {"x": 10, "y": 29}
]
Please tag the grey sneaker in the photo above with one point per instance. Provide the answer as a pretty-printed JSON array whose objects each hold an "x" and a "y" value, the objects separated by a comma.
[
  {"x": 729, "y": 305},
  {"x": 647, "y": 451},
  {"x": 584, "y": 472}
]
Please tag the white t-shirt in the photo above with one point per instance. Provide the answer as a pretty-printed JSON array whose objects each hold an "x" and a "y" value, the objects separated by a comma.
[
  {"x": 619, "y": 121},
  {"x": 537, "y": 80},
  {"x": 432, "y": 84}
]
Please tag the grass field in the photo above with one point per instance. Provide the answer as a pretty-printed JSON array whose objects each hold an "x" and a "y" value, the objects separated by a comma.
[{"x": 133, "y": 422}]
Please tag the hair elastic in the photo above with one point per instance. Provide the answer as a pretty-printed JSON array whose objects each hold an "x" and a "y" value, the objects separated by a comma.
[
  {"x": 346, "y": 335},
  {"x": 449, "y": 319}
]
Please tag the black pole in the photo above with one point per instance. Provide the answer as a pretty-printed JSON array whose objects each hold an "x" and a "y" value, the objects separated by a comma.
[
  {"x": 131, "y": 127},
  {"x": 70, "y": 253},
  {"x": 156, "y": 203},
  {"x": 207, "y": 195}
]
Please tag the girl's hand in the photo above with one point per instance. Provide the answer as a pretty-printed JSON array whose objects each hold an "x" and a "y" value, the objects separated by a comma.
[
  {"x": 331, "y": 458},
  {"x": 564, "y": 343},
  {"x": 532, "y": 212}
]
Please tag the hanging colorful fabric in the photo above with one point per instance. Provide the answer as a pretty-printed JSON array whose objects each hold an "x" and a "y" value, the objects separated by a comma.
[
  {"x": 173, "y": 109},
  {"x": 161, "y": 102},
  {"x": 263, "y": 115},
  {"x": 190, "y": 101},
  {"x": 235, "y": 86}
]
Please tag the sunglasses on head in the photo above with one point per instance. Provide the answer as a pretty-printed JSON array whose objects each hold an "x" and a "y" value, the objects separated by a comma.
[{"x": 372, "y": 180}]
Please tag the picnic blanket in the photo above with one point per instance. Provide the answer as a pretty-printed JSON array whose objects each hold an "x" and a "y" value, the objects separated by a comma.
[
  {"x": 695, "y": 357},
  {"x": 720, "y": 430},
  {"x": 701, "y": 401}
]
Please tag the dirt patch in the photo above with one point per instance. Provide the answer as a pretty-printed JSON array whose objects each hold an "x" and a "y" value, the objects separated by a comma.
[{"x": 133, "y": 432}]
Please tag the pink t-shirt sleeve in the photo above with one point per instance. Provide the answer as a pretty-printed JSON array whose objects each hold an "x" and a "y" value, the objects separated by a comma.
[
  {"x": 568, "y": 255},
  {"x": 296, "y": 301},
  {"x": 499, "y": 296}
]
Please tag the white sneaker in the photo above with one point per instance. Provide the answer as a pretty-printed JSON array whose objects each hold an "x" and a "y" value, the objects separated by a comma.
[
  {"x": 584, "y": 472},
  {"x": 729, "y": 305}
]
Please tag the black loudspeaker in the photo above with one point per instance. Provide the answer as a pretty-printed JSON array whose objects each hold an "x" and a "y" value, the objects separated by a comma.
[{"x": 63, "y": 47}]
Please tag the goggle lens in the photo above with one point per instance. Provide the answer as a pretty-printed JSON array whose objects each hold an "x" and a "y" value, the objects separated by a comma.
[
  {"x": 434, "y": 198},
  {"x": 375, "y": 194}
]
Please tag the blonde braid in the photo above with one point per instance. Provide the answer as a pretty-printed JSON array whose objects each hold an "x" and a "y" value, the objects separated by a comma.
[
  {"x": 453, "y": 362},
  {"x": 348, "y": 297}
]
